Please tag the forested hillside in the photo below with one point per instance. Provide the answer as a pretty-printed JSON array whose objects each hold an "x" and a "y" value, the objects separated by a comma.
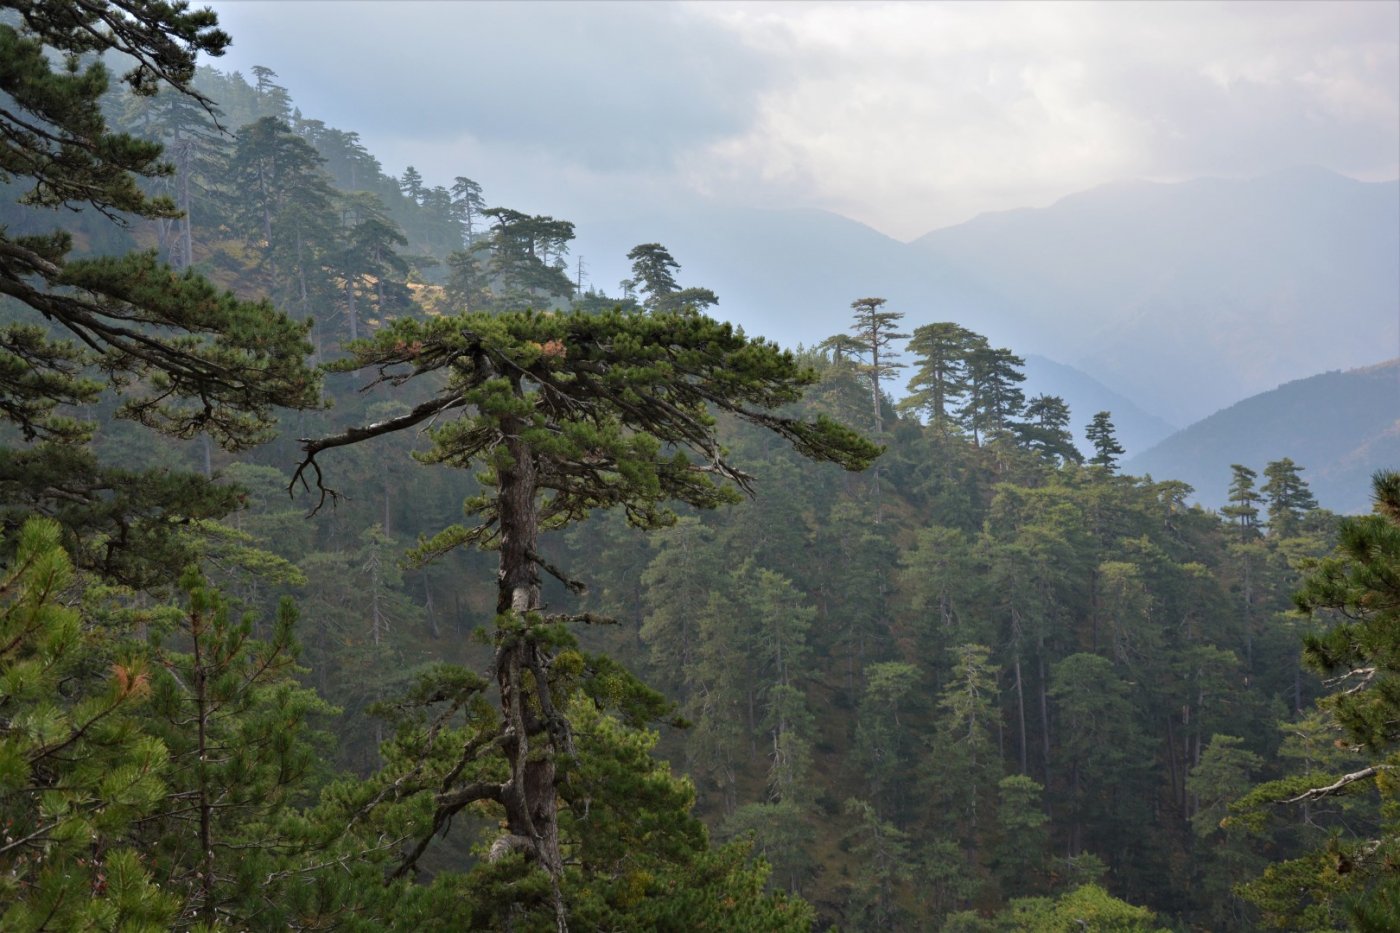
[{"x": 591, "y": 611}]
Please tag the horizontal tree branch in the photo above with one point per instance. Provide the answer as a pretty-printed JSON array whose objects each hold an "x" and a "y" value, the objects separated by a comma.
[{"x": 1342, "y": 782}]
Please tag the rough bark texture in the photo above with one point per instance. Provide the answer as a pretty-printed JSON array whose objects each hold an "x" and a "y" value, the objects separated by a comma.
[{"x": 531, "y": 743}]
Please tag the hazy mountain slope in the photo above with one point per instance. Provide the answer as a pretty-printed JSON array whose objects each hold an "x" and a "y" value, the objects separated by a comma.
[
  {"x": 1185, "y": 296},
  {"x": 1182, "y": 297},
  {"x": 1137, "y": 429},
  {"x": 1340, "y": 426},
  {"x": 792, "y": 275}
]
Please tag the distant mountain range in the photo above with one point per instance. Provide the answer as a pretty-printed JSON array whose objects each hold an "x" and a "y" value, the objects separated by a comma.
[
  {"x": 1182, "y": 298},
  {"x": 1188, "y": 296},
  {"x": 1137, "y": 430},
  {"x": 1339, "y": 426}
]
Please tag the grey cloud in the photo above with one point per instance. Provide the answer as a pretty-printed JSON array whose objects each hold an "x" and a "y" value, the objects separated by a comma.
[
  {"x": 904, "y": 116},
  {"x": 618, "y": 87},
  {"x": 1190, "y": 125}
]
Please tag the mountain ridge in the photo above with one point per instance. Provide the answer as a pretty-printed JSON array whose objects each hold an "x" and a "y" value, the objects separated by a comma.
[
  {"x": 1340, "y": 426},
  {"x": 1182, "y": 297}
]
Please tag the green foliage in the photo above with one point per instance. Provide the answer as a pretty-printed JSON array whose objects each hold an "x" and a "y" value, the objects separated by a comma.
[
  {"x": 149, "y": 783},
  {"x": 1349, "y": 876},
  {"x": 1101, "y": 434},
  {"x": 822, "y": 640},
  {"x": 964, "y": 765},
  {"x": 524, "y": 259},
  {"x": 941, "y": 371},
  {"x": 1362, "y": 583},
  {"x": 567, "y": 414},
  {"x": 235, "y": 723},
  {"x": 653, "y": 272},
  {"x": 1021, "y": 855},
  {"x": 1087, "y": 907},
  {"x": 1223, "y": 774},
  {"x": 1046, "y": 430},
  {"x": 883, "y": 743},
  {"x": 1288, "y": 496},
  {"x": 782, "y": 835},
  {"x": 718, "y": 890},
  {"x": 1101, "y": 745},
  {"x": 1243, "y": 508},
  {"x": 611, "y": 390},
  {"x": 881, "y": 850},
  {"x": 77, "y": 768},
  {"x": 993, "y": 398},
  {"x": 183, "y": 356}
]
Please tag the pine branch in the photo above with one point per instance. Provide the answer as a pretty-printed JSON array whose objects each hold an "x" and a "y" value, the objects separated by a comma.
[
  {"x": 1344, "y": 781},
  {"x": 353, "y": 435}
]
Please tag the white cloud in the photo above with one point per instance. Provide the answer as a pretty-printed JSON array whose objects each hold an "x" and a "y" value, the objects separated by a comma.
[
  {"x": 909, "y": 116},
  {"x": 904, "y": 115}
]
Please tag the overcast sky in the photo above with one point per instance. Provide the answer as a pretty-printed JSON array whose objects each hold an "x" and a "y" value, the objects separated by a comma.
[{"x": 905, "y": 116}]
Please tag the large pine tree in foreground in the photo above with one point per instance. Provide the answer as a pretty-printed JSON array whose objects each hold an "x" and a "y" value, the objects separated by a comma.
[{"x": 566, "y": 414}]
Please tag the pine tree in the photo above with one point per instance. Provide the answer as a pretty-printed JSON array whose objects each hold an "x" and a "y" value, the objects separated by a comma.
[
  {"x": 196, "y": 148},
  {"x": 183, "y": 356},
  {"x": 147, "y": 782},
  {"x": 653, "y": 272},
  {"x": 227, "y": 708},
  {"x": 1243, "y": 508},
  {"x": 518, "y": 247},
  {"x": 468, "y": 286},
  {"x": 273, "y": 99},
  {"x": 1097, "y": 748},
  {"x": 844, "y": 348},
  {"x": 654, "y": 269},
  {"x": 1022, "y": 851},
  {"x": 993, "y": 396},
  {"x": 569, "y": 413},
  {"x": 965, "y": 766},
  {"x": 468, "y": 205},
  {"x": 883, "y": 744},
  {"x": 781, "y": 621},
  {"x": 411, "y": 184},
  {"x": 875, "y": 334},
  {"x": 1222, "y": 776},
  {"x": 1288, "y": 497},
  {"x": 940, "y": 378},
  {"x": 1046, "y": 430},
  {"x": 367, "y": 261},
  {"x": 678, "y": 579},
  {"x": 885, "y": 870},
  {"x": 1101, "y": 434},
  {"x": 76, "y": 767}
]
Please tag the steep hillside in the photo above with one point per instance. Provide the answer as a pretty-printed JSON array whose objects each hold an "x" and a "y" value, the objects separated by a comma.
[{"x": 1340, "y": 426}]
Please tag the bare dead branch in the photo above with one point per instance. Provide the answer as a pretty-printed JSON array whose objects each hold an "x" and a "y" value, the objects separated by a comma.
[
  {"x": 587, "y": 618},
  {"x": 1342, "y": 782},
  {"x": 577, "y": 587},
  {"x": 314, "y": 446}
]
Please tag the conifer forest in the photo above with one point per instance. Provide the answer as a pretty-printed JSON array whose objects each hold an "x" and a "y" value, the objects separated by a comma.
[{"x": 361, "y": 571}]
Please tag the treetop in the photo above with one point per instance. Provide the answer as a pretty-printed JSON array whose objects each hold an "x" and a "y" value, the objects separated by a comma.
[{"x": 615, "y": 404}]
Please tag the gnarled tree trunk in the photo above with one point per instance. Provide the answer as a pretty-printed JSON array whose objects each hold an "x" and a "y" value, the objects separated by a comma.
[{"x": 535, "y": 733}]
